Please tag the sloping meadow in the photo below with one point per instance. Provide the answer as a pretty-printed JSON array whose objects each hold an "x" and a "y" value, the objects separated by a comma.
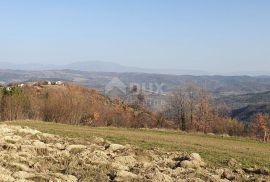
[{"x": 29, "y": 155}]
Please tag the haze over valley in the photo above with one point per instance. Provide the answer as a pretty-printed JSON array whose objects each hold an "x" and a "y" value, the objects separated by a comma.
[{"x": 134, "y": 91}]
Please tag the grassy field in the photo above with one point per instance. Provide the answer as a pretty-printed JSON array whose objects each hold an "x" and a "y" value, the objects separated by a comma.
[{"x": 215, "y": 150}]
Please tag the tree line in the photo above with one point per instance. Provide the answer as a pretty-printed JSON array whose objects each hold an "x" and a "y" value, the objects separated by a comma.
[
  {"x": 189, "y": 108},
  {"x": 72, "y": 104},
  {"x": 193, "y": 109}
]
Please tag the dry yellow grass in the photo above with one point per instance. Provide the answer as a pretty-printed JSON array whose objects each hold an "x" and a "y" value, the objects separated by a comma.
[{"x": 216, "y": 150}]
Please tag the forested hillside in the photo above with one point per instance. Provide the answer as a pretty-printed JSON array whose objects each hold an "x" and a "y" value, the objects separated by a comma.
[
  {"x": 190, "y": 108},
  {"x": 71, "y": 104}
]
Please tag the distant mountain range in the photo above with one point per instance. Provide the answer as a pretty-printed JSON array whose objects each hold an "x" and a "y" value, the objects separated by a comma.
[
  {"x": 218, "y": 85},
  {"x": 97, "y": 66},
  {"x": 102, "y": 66}
]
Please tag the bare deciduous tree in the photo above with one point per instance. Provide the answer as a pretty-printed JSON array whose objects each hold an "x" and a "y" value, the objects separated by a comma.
[
  {"x": 260, "y": 126},
  {"x": 177, "y": 108}
]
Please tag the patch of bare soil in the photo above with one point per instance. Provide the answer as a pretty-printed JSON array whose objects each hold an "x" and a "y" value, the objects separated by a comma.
[{"x": 29, "y": 155}]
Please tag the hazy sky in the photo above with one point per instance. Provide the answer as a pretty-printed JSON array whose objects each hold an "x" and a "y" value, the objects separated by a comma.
[{"x": 217, "y": 35}]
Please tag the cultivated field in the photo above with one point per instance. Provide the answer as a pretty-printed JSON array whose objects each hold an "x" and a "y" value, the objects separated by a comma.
[{"x": 216, "y": 150}]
